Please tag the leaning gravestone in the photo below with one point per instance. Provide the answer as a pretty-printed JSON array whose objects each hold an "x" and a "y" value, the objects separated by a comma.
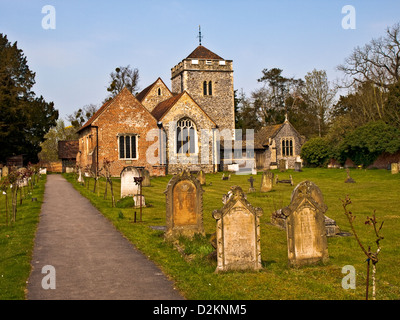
[
  {"x": 238, "y": 233},
  {"x": 267, "y": 181},
  {"x": 305, "y": 226},
  {"x": 394, "y": 168},
  {"x": 128, "y": 185},
  {"x": 251, "y": 180},
  {"x": 184, "y": 205}
]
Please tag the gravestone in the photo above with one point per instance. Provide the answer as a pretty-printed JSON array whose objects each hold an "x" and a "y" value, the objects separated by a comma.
[
  {"x": 349, "y": 179},
  {"x": 43, "y": 171},
  {"x": 282, "y": 165},
  {"x": 251, "y": 180},
  {"x": 201, "y": 177},
  {"x": 136, "y": 200},
  {"x": 4, "y": 172},
  {"x": 267, "y": 181},
  {"x": 305, "y": 226},
  {"x": 238, "y": 233},
  {"x": 80, "y": 178},
  {"x": 394, "y": 168},
  {"x": 146, "y": 178},
  {"x": 184, "y": 206},
  {"x": 128, "y": 185},
  {"x": 297, "y": 166}
]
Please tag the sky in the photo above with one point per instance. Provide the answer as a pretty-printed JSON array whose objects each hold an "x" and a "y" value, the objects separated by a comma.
[{"x": 73, "y": 57}]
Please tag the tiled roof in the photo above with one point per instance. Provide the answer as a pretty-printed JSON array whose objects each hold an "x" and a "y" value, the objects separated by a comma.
[
  {"x": 68, "y": 149},
  {"x": 203, "y": 53},
  {"x": 262, "y": 136},
  {"x": 165, "y": 105}
]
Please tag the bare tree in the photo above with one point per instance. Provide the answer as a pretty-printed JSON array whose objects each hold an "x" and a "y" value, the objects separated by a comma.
[
  {"x": 377, "y": 62},
  {"x": 319, "y": 95},
  {"x": 123, "y": 77}
]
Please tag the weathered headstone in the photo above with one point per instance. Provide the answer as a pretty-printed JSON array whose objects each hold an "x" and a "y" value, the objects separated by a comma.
[
  {"x": 4, "y": 172},
  {"x": 128, "y": 185},
  {"x": 238, "y": 233},
  {"x": 137, "y": 198},
  {"x": 267, "y": 181},
  {"x": 201, "y": 177},
  {"x": 251, "y": 180},
  {"x": 297, "y": 166},
  {"x": 80, "y": 178},
  {"x": 282, "y": 165},
  {"x": 146, "y": 178},
  {"x": 394, "y": 168},
  {"x": 43, "y": 171},
  {"x": 184, "y": 205},
  {"x": 305, "y": 225}
]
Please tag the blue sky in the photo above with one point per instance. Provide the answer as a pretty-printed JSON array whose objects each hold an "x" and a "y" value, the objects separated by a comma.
[{"x": 73, "y": 61}]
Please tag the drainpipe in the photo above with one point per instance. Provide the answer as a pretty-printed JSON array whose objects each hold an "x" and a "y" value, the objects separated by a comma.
[{"x": 97, "y": 150}]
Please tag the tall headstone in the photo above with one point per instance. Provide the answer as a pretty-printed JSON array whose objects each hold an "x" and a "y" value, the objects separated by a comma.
[
  {"x": 4, "y": 172},
  {"x": 394, "y": 168},
  {"x": 128, "y": 185},
  {"x": 297, "y": 166},
  {"x": 305, "y": 226},
  {"x": 267, "y": 181},
  {"x": 184, "y": 205},
  {"x": 238, "y": 233},
  {"x": 282, "y": 165}
]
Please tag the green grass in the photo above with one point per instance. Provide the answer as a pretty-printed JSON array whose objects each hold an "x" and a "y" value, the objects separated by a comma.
[
  {"x": 189, "y": 265},
  {"x": 16, "y": 243}
]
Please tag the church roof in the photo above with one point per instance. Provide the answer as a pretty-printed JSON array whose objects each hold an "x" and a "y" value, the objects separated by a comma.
[
  {"x": 262, "y": 136},
  {"x": 165, "y": 105},
  {"x": 142, "y": 94},
  {"x": 203, "y": 53}
]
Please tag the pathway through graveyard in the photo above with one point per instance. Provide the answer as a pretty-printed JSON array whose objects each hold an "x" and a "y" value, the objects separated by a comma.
[{"x": 79, "y": 251}]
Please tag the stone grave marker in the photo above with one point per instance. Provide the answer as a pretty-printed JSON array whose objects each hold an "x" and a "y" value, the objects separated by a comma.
[
  {"x": 146, "y": 178},
  {"x": 394, "y": 168},
  {"x": 238, "y": 233},
  {"x": 305, "y": 226},
  {"x": 184, "y": 206},
  {"x": 136, "y": 200},
  {"x": 128, "y": 185},
  {"x": 267, "y": 181},
  {"x": 282, "y": 165},
  {"x": 251, "y": 180},
  {"x": 297, "y": 166},
  {"x": 201, "y": 177},
  {"x": 4, "y": 172}
]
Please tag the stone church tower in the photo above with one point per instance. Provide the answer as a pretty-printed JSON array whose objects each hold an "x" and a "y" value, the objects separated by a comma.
[{"x": 208, "y": 79}]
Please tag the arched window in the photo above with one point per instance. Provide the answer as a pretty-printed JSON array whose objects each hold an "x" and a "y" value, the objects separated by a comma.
[
  {"x": 159, "y": 91},
  {"x": 205, "y": 88},
  {"x": 185, "y": 136}
]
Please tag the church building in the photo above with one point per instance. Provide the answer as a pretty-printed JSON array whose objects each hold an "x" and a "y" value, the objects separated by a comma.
[{"x": 166, "y": 129}]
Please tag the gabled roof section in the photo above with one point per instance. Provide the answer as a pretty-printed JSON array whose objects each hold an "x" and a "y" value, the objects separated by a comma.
[
  {"x": 105, "y": 106},
  {"x": 163, "y": 107},
  {"x": 203, "y": 53},
  {"x": 142, "y": 94},
  {"x": 262, "y": 136}
]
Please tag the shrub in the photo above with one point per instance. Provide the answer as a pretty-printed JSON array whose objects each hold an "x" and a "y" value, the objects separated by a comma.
[{"x": 316, "y": 152}]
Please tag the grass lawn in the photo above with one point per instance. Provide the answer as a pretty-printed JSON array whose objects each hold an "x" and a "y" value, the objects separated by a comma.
[
  {"x": 188, "y": 265},
  {"x": 16, "y": 242}
]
